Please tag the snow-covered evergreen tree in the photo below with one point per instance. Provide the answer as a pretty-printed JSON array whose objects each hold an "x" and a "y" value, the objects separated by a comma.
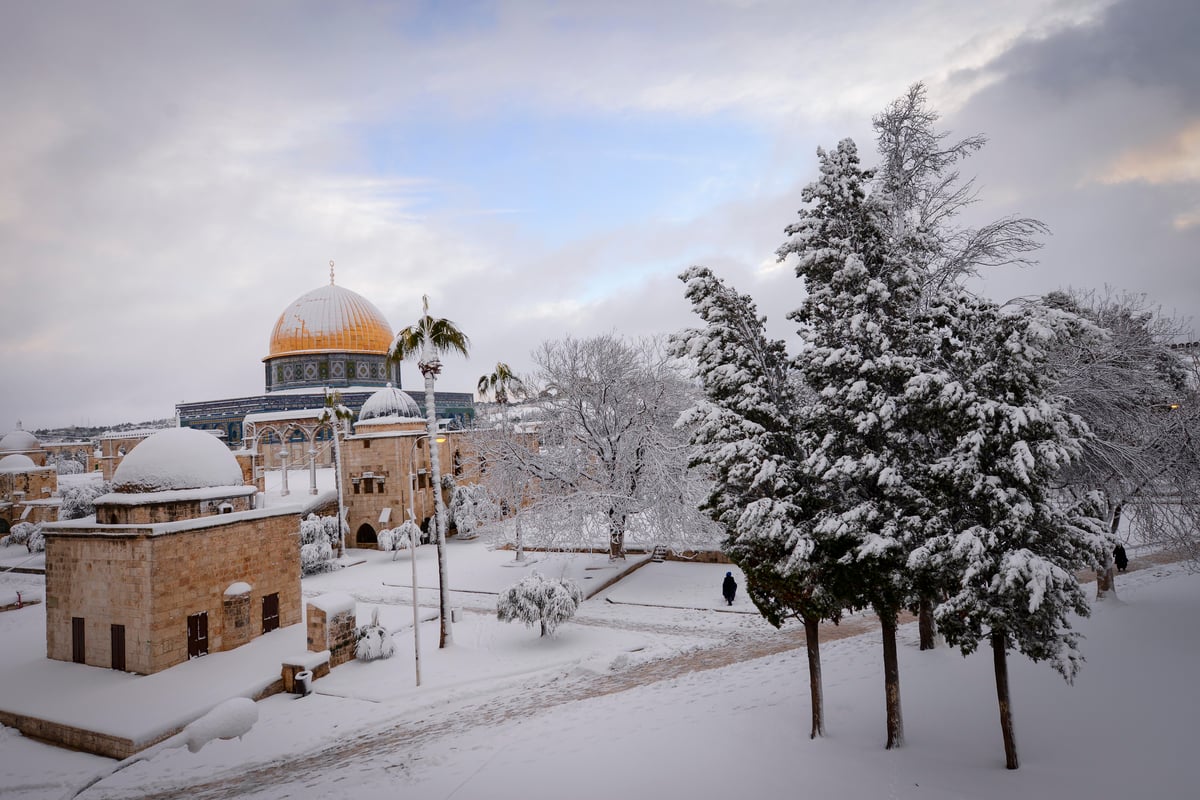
[
  {"x": 863, "y": 442},
  {"x": 1010, "y": 543},
  {"x": 28, "y": 534},
  {"x": 535, "y": 600},
  {"x": 373, "y": 641},
  {"x": 318, "y": 537},
  {"x": 745, "y": 433},
  {"x": 399, "y": 538}
]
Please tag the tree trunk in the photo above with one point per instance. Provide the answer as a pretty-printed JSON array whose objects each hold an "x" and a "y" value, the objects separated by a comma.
[
  {"x": 337, "y": 476},
  {"x": 813, "y": 642},
  {"x": 925, "y": 623},
  {"x": 891, "y": 681},
  {"x": 447, "y": 634},
  {"x": 1000, "y": 660},
  {"x": 1106, "y": 578},
  {"x": 520, "y": 544},
  {"x": 616, "y": 535}
]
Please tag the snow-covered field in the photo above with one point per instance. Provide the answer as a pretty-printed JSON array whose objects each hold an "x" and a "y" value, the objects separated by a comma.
[{"x": 504, "y": 714}]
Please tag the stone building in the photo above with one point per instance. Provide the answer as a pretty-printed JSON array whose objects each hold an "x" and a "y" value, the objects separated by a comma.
[
  {"x": 387, "y": 476},
  {"x": 26, "y": 491},
  {"x": 176, "y": 563}
]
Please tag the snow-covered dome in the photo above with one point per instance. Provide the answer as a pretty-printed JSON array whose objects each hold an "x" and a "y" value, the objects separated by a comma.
[
  {"x": 177, "y": 458},
  {"x": 17, "y": 462},
  {"x": 331, "y": 319},
  {"x": 389, "y": 402},
  {"x": 18, "y": 442}
]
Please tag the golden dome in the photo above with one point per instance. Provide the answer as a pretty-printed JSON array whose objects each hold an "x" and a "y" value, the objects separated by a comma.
[{"x": 330, "y": 319}]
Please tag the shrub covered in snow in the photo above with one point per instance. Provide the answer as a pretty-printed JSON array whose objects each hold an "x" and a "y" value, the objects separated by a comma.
[
  {"x": 535, "y": 600},
  {"x": 68, "y": 466},
  {"x": 395, "y": 539},
  {"x": 318, "y": 537},
  {"x": 28, "y": 534},
  {"x": 374, "y": 641},
  {"x": 79, "y": 501},
  {"x": 472, "y": 507}
]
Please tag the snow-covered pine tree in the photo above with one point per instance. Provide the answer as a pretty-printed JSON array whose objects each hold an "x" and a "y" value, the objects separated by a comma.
[
  {"x": 471, "y": 507},
  {"x": 744, "y": 434},
  {"x": 1011, "y": 542},
  {"x": 535, "y": 600},
  {"x": 864, "y": 445}
]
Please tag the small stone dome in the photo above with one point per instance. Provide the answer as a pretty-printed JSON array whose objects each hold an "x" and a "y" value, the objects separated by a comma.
[
  {"x": 177, "y": 458},
  {"x": 389, "y": 402},
  {"x": 18, "y": 442},
  {"x": 17, "y": 462}
]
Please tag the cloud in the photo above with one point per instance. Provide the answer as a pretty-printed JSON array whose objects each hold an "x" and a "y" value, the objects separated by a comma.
[{"x": 1175, "y": 159}]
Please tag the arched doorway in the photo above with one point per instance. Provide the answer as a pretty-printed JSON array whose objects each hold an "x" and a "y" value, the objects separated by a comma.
[{"x": 365, "y": 536}]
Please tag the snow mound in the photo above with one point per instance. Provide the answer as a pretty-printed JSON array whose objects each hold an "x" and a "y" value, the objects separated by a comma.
[
  {"x": 333, "y": 603},
  {"x": 231, "y": 719},
  {"x": 389, "y": 402},
  {"x": 177, "y": 458},
  {"x": 16, "y": 462},
  {"x": 235, "y": 589}
]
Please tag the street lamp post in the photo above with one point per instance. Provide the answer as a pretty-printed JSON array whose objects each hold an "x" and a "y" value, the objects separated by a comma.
[{"x": 412, "y": 548}]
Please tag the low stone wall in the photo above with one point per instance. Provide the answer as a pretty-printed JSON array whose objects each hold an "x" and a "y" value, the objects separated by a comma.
[{"x": 331, "y": 626}]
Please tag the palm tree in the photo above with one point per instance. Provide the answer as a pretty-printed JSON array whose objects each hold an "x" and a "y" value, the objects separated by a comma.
[
  {"x": 425, "y": 340},
  {"x": 336, "y": 414},
  {"x": 500, "y": 384}
]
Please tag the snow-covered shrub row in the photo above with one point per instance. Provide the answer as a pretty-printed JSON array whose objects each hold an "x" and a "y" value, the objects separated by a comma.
[
  {"x": 68, "y": 466},
  {"x": 535, "y": 600},
  {"x": 472, "y": 507},
  {"x": 374, "y": 641},
  {"x": 318, "y": 537},
  {"x": 28, "y": 534},
  {"x": 79, "y": 501}
]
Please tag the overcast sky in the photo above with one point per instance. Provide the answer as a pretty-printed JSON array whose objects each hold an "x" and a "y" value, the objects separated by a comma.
[{"x": 173, "y": 175}]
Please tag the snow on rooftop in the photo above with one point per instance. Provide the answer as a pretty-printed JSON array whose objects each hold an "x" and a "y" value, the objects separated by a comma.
[
  {"x": 177, "y": 458},
  {"x": 18, "y": 441},
  {"x": 17, "y": 462},
  {"x": 333, "y": 603},
  {"x": 275, "y": 416},
  {"x": 234, "y": 589},
  {"x": 389, "y": 402}
]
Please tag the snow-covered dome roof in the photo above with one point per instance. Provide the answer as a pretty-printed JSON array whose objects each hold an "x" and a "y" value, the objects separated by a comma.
[
  {"x": 331, "y": 319},
  {"x": 177, "y": 458},
  {"x": 17, "y": 462},
  {"x": 19, "y": 441},
  {"x": 389, "y": 402}
]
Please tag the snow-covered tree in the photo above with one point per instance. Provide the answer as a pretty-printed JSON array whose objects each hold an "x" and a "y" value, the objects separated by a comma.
[
  {"x": 373, "y": 641},
  {"x": 426, "y": 340},
  {"x": 399, "y": 538},
  {"x": 68, "y": 466},
  {"x": 535, "y": 600},
  {"x": 1112, "y": 359},
  {"x": 318, "y": 537},
  {"x": 1009, "y": 543},
  {"x": 610, "y": 452},
  {"x": 79, "y": 501},
  {"x": 923, "y": 194},
  {"x": 28, "y": 534},
  {"x": 862, "y": 442},
  {"x": 471, "y": 508},
  {"x": 745, "y": 433}
]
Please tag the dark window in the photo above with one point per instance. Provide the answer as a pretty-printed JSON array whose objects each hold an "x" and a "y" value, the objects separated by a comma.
[
  {"x": 458, "y": 465},
  {"x": 77, "y": 639},
  {"x": 368, "y": 486},
  {"x": 270, "y": 605},
  {"x": 367, "y": 444},
  {"x": 118, "y": 647},
  {"x": 197, "y": 634}
]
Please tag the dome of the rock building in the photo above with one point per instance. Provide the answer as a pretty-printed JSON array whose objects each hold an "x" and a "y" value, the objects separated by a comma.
[
  {"x": 177, "y": 458},
  {"x": 17, "y": 462},
  {"x": 330, "y": 319},
  {"x": 18, "y": 442},
  {"x": 389, "y": 402}
]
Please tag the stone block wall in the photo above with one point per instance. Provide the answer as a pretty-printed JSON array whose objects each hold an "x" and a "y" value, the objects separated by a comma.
[
  {"x": 151, "y": 582},
  {"x": 335, "y": 633}
]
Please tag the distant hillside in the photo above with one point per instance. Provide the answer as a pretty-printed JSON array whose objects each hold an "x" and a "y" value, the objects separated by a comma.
[{"x": 80, "y": 433}]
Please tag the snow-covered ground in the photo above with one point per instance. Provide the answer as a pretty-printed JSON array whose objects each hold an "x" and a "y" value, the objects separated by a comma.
[{"x": 506, "y": 714}]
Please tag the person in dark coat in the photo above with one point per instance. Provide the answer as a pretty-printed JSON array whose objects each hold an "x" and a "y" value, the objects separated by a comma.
[
  {"x": 1120, "y": 557},
  {"x": 729, "y": 588}
]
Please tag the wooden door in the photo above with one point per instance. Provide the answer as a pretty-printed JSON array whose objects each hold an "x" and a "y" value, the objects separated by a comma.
[
  {"x": 77, "y": 640},
  {"x": 197, "y": 633},
  {"x": 118, "y": 647},
  {"x": 270, "y": 612}
]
